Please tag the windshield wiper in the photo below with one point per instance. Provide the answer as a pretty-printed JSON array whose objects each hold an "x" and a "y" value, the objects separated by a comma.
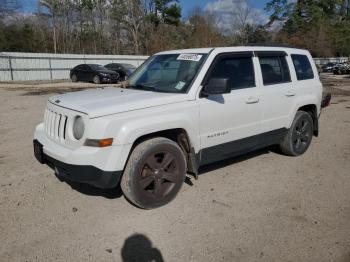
[{"x": 143, "y": 87}]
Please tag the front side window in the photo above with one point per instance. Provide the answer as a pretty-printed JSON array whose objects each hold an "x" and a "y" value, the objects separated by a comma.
[
  {"x": 274, "y": 70},
  {"x": 239, "y": 70},
  {"x": 172, "y": 73},
  {"x": 302, "y": 67}
]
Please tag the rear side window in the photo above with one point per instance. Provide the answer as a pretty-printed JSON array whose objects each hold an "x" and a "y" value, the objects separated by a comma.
[
  {"x": 302, "y": 67},
  {"x": 239, "y": 70},
  {"x": 274, "y": 69}
]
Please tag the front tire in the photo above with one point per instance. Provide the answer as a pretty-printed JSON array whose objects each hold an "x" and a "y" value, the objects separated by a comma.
[
  {"x": 299, "y": 136},
  {"x": 154, "y": 173}
]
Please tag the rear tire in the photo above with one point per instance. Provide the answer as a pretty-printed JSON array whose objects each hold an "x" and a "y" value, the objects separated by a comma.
[
  {"x": 74, "y": 78},
  {"x": 154, "y": 173},
  {"x": 96, "y": 79},
  {"x": 299, "y": 136}
]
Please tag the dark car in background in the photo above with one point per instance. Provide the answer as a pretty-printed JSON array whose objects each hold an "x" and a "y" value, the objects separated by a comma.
[
  {"x": 328, "y": 68},
  {"x": 341, "y": 69},
  {"x": 93, "y": 73},
  {"x": 124, "y": 70}
]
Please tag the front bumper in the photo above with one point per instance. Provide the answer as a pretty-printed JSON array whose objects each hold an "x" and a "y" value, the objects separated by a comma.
[
  {"x": 78, "y": 173},
  {"x": 109, "y": 80}
]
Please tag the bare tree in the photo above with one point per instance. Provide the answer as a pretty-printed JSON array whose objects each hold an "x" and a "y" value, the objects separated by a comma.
[
  {"x": 131, "y": 17},
  {"x": 52, "y": 6},
  {"x": 241, "y": 15}
]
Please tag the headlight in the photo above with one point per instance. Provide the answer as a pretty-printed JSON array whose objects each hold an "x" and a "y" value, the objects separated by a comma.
[
  {"x": 105, "y": 75},
  {"x": 78, "y": 127}
]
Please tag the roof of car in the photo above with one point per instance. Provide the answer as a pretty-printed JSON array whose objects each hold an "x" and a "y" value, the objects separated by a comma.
[{"x": 233, "y": 49}]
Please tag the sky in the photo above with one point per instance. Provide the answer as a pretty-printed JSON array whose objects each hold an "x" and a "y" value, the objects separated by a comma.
[
  {"x": 187, "y": 5},
  {"x": 31, "y": 5}
]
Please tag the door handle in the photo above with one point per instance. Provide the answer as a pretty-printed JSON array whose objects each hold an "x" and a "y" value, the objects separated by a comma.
[
  {"x": 252, "y": 100},
  {"x": 290, "y": 93}
]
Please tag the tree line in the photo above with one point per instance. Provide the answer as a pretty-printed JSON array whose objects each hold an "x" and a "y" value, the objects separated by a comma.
[{"x": 148, "y": 26}]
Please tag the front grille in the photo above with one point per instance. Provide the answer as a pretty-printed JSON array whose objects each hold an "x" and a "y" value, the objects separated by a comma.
[{"x": 55, "y": 124}]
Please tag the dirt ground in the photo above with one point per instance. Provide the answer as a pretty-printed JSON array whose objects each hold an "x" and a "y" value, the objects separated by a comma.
[{"x": 259, "y": 207}]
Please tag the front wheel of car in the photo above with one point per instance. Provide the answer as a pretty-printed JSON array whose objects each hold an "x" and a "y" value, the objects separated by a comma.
[
  {"x": 96, "y": 79},
  {"x": 74, "y": 78},
  {"x": 154, "y": 174},
  {"x": 299, "y": 136}
]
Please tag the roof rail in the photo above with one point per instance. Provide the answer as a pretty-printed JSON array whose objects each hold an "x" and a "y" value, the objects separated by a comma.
[{"x": 270, "y": 45}]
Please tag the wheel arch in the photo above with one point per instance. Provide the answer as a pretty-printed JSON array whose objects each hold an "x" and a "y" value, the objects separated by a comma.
[{"x": 179, "y": 136}]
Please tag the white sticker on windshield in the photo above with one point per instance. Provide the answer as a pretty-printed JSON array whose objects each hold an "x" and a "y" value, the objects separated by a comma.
[
  {"x": 189, "y": 57},
  {"x": 180, "y": 85}
]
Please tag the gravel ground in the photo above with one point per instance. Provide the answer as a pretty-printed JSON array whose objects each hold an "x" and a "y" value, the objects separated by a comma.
[{"x": 259, "y": 207}]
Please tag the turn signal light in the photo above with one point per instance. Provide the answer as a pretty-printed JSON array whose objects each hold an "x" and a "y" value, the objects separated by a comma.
[{"x": 99, "y": 142}]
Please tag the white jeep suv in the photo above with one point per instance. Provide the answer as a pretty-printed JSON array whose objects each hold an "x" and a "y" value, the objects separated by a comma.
[{"x": 181, "y": 109}]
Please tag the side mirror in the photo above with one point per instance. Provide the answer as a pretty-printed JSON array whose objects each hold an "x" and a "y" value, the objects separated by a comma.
[{"x": 216, "y": 86}]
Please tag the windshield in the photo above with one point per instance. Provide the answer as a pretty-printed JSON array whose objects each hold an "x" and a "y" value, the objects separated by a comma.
[
  {"x": 97, "y": 67},
  {"x": 171, "y": 73}
]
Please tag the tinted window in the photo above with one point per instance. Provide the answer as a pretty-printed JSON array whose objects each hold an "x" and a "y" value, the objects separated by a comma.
[
  {"x": 82, "y": 67},
  {"x": 128, "y": 66},
  {"x": 239, "y": 70},
  {"x": 96, "y": 67},
  {"x": 302, "y": 67},
  {"x": 79, "y": 67},
  {"x": 274, "y": 70}
]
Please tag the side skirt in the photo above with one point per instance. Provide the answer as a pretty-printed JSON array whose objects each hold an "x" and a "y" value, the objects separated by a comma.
[{"x": 241, "y": 146}]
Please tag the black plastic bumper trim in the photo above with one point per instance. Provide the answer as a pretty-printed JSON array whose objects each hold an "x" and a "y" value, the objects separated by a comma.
[{"x": 81, "y": 173}]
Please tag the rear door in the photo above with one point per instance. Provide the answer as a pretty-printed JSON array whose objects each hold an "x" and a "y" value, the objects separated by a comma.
[
  {"x": 229, "y": 122},
  {"x": 277, "y": 93},
  {"x": 80, "y": 72}
]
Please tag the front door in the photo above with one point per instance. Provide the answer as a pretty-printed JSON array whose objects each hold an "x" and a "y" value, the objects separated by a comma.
[{"x": 230, "y": 122}]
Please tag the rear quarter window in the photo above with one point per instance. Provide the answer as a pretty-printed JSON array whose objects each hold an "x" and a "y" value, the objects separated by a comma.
[{"x": 302, "y": 67}]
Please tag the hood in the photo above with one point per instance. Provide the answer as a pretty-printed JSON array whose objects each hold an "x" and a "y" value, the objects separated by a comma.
[{"x": 107, "y": 101}]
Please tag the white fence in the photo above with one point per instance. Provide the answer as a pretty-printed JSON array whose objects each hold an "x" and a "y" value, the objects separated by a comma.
[
  {"x": 33, "y": 66},
  {"x": 324, "y": 60}
]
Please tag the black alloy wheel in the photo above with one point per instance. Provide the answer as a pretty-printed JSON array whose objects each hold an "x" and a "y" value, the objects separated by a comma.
[
  {"x": 302, "y": 135},
  {"x": 299, "y": 136},
  {"x": 159, "y": 174},
  {"x": 154, "y": 173}
]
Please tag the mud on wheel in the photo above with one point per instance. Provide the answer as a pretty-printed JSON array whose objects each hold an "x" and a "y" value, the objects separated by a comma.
[{"x": 154, "y": 173}]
